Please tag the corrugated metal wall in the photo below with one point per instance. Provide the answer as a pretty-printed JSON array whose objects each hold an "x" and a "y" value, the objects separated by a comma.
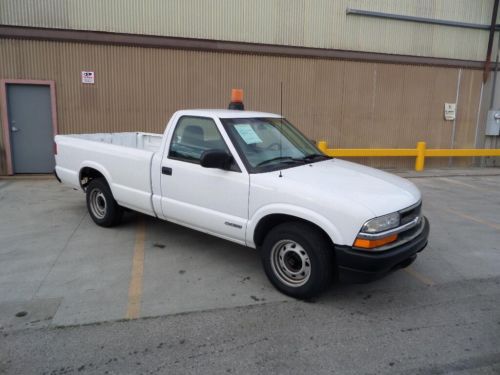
[
  {"x": 318, "y": 23},
  {"x": 349, "y": 104}
]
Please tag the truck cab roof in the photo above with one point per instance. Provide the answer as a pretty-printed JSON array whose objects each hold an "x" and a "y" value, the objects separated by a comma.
[{"x": 226, "y": 113}]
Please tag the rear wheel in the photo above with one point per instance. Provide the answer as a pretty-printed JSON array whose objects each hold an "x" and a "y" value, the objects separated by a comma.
[
  {"x": 101, "y": 205},
  {"x": 298, "y": 259}
]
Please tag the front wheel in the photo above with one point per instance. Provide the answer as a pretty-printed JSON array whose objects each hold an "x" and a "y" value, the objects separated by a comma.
[
  {"x": 298, "y": 260},
  {"x": 101, "y": 205}
]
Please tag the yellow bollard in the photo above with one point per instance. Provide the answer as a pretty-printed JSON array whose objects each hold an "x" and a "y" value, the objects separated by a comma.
[
  {"x": 420, "y": 161},
  {"x": 323, "y": 146}
]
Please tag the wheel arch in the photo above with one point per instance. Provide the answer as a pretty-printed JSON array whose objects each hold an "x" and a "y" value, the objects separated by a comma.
[
  {"x": 263, "y": 223},
  {"x": 90, "y": 171}
]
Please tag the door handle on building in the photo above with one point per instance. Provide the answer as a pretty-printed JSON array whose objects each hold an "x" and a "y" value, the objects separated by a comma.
[{"x": 14, "y": 129}]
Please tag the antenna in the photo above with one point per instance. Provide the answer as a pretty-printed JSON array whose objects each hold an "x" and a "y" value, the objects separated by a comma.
[{"x": 281, "y": 122}]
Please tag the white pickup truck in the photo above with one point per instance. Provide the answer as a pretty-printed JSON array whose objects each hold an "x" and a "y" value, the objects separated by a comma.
[{"x": 252, "y": 178}]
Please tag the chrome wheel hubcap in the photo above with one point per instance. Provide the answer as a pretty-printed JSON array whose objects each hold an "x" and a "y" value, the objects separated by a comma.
[
  {"x": 97, "y": 203},
  {"x": 290, "y": 263}
]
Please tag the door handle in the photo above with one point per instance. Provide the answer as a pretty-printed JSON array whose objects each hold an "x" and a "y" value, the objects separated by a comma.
[
  {"x": 166, "y": 170},
  {"x": 14, "y": 129}
]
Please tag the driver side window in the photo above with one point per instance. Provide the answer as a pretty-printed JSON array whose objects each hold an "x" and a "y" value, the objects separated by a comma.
[{"x": 192, "y": 136}]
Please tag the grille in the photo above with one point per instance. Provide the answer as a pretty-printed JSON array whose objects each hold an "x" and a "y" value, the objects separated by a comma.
[{"x": 410, "y": 213}]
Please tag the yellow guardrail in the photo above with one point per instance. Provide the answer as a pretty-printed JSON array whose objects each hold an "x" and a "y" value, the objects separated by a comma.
[{"x": 420, "y": 152}]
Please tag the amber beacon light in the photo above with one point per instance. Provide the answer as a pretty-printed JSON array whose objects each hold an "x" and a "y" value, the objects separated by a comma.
[{"x": 236, "y": 100}]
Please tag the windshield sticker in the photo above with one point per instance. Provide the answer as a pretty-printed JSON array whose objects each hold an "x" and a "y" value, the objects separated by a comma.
[{"x": 248, "y": 134}]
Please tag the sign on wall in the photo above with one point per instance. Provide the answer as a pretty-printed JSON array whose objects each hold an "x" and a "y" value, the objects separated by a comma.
[
  {"x": 450, "y": 111},
  {"x": 88, "y": 77}
]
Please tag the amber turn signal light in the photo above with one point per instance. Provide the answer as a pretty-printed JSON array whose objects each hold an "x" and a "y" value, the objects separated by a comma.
[{"x": 370, "y": 244}]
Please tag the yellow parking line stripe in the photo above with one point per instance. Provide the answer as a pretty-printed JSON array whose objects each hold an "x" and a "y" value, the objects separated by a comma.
[
  {"x": 135, "y": 286},
  {"x": 476, "y": 219},
  {"x": 423, "y": 279}
]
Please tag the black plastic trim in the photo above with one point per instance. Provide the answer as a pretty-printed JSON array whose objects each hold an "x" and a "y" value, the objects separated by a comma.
[{"x": 362, "y": 266}]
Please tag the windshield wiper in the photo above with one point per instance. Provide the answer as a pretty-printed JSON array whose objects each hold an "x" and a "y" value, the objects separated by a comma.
[
  {"x": 314, "y": 156},
  {"x": 287, "y": 159}
]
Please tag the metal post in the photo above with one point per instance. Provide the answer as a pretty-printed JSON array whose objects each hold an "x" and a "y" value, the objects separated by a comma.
[
  {"x": 420, "y": 161},
  {"x": 323, "y": 146}
]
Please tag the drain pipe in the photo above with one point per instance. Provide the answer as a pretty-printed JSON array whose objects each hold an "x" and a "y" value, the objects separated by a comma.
[
  {"x": 494, "y": 85},
  {"x": 490, "y": 41}
]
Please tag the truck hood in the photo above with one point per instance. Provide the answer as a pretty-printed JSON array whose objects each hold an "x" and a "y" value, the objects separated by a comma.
[{"x": 378, "y": 191}]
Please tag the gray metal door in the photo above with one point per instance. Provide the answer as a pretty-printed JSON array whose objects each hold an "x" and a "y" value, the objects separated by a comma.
[{"x": 30, "y": 128}]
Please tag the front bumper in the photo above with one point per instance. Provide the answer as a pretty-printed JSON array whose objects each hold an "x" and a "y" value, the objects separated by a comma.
[{"x": 362, "y": 265}]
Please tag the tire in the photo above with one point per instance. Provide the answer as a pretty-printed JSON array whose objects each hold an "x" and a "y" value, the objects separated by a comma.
[
  {"x": 298, "y": 260},
  {"x": 101, "y": 205}
]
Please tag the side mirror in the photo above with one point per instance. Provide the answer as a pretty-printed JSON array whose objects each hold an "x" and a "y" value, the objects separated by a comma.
[{"x": 216, "y": 159}]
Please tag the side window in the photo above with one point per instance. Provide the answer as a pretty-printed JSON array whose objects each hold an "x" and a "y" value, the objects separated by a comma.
[{"x": 192, "y": 136}]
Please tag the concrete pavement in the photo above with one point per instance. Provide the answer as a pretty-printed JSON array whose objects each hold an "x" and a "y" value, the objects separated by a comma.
[
  {"x": 53, "y": 254},
  {"x": 215, "y": 310},
  {"x": 451, "y": 328}
]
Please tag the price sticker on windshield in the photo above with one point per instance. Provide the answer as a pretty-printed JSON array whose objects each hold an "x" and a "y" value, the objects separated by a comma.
[{"x": 247, "y": 134}]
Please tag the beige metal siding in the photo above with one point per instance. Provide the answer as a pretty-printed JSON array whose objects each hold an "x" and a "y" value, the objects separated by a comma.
[
  {"x": 318, "y": 23},
  {"x": 349, "y": 104},
  {"x": 470, "y": 86}
]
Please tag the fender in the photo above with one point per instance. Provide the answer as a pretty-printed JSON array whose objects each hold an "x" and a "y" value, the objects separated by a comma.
[{"x": 292, "y": 210}]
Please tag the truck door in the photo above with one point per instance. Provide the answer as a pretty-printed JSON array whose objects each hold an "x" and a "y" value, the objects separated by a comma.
[{"x": 211, "y": 200}]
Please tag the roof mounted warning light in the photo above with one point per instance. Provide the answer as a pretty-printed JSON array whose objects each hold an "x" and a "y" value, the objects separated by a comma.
[{"x": 236, "y": 100}]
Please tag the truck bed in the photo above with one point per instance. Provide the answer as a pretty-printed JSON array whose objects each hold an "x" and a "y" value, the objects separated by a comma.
[
  {"x": 143, "y": 141},
  {"x": 124, "y": 159}
]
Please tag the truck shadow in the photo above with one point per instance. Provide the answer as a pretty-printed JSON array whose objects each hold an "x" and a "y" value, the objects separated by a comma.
[{"x": 187, "y": 259}]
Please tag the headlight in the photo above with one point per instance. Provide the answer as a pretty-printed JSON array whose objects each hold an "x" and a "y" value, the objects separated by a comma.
[{"x": 381, "y": 224}]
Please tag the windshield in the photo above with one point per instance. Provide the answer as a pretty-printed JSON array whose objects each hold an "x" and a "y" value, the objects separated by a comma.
[{"x": 270, "y": 143}]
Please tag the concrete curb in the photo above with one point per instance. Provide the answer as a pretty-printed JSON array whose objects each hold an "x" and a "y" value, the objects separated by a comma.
[
  {"x": 466, "y": 172},
  {"x": 29, "y": 177}
]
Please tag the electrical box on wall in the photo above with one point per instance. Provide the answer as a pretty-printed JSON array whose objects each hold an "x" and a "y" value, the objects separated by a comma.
[
  {"x": 493, "y": 123},
  {"x": 450, "y": 111}
]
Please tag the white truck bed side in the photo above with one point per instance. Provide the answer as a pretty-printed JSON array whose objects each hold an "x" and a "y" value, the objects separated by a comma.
[{"x": 123, "y": 158}]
